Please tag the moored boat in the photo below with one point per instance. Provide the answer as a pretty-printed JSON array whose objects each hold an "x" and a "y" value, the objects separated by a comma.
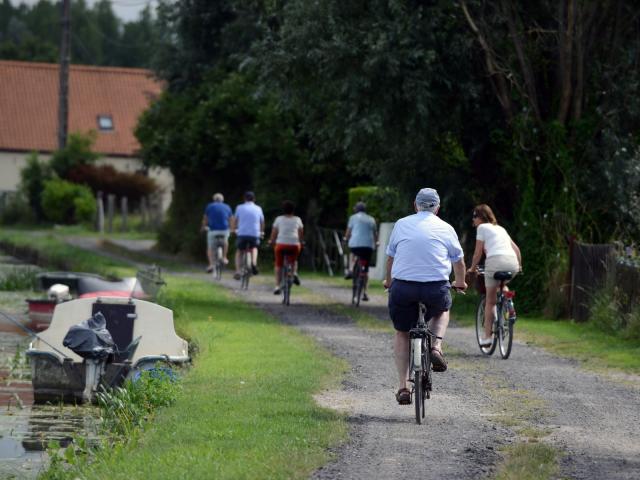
[{"x": 143, "y": 333}]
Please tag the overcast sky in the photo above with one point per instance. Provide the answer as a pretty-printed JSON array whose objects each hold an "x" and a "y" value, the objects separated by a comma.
[{"x": 127, "y": 10}]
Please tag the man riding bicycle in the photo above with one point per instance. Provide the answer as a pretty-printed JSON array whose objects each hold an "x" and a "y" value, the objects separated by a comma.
[
  {"x": 420, "y": 255},
  {"x": 248, "y": 223},
  {"x": 216, "y": 222},
  {"x": 362, "y": 237}
]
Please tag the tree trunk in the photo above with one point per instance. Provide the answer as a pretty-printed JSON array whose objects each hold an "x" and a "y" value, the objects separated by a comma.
[{"x": 566, "y": 36}]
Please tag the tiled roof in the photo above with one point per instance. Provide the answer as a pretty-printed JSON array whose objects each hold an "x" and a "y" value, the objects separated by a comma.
[{"x": 29, "y": 105}]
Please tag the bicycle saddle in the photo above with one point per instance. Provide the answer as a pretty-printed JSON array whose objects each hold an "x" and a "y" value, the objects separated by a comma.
[{"x": 503, "y": 275}]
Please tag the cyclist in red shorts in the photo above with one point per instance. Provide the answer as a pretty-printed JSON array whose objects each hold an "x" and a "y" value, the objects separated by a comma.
[{"x": 286, "y": 234}]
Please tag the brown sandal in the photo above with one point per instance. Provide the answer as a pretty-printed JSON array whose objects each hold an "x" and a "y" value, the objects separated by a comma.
[
  {"x": 403, "y": 396},
  {"x": 438, "y": 362}
]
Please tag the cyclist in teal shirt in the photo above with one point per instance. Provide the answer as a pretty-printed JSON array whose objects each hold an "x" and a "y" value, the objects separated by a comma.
[{"x": 362, "y": 238}]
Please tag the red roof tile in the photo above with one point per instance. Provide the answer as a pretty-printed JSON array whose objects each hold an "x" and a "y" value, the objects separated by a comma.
[{"x": 29, "y": 105}]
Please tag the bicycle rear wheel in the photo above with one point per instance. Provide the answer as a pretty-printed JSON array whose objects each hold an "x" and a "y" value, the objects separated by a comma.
[
  {"x": 286, "y": 285},
  {"x": 355, "y": 284},
  {"x": 480, "y": 329},
  {"x": 217, "y": 271},
  {"x": 505, "y": 332},
  {"x": 246, "y": 270}
]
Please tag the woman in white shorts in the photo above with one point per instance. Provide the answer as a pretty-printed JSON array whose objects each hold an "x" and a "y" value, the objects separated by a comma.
[{"x": 502, "y": 255}]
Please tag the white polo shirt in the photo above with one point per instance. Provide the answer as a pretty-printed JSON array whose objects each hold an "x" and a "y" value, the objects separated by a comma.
[
  {"x": 423, "y": 247},
  {"x": 248, "y": 215}
]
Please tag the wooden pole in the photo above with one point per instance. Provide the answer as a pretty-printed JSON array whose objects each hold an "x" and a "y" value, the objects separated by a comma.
[{"x": 63, "y": 87}]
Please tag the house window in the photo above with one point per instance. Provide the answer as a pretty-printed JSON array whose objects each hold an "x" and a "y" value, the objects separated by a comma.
[{"x": 105, "y": 122}]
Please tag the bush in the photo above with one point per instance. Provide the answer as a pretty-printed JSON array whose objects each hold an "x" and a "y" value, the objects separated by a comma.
[
  {"x": 66, "y": 202},
  {"x": 32, "y": 179},
  {"x": 384, "y": 204},
  {"x": 16, "y": 210},
  {"x": 106, "y": 179},
  {"x": 76, "y": 152}
]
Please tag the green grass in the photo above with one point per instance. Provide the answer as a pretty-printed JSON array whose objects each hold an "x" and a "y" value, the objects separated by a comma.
[
  {"x": 246, "y": 410},
  {"x": 580, "y": 341},
  {"x": 528, "y": 461},
  {"x": 47, "y": 250}
]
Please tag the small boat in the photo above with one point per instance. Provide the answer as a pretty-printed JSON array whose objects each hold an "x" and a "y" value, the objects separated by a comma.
[
  {"x": 144, "y": 285},
  {"x": 143, "y": 334}
]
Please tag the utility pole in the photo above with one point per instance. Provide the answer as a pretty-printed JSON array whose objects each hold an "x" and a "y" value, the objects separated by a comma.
[{"x": 63, "y": 92}]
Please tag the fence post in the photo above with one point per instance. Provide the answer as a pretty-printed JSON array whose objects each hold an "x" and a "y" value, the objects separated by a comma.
[
  {"x": 111, "y": 207},
  {"x": 125, "y": 210},
  {"x": 144, "y": 212},
  {"x": 325, "y": 256},
  {"x": 100, "y": 212}
]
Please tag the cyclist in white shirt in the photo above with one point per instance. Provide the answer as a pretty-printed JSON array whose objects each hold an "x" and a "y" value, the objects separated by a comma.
[
  {"x": 422, "y": 251},
  {"x": 286, "y": 235},
  {"x": 502, "y": 255},
  {"x": 248, "y": 224}
]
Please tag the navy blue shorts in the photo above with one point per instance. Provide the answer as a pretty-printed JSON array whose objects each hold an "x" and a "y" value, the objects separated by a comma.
[
  {"x": 243, "y": 242},
  {"x": 363, "y": 253},
  {"x": 405, "y": 296}
]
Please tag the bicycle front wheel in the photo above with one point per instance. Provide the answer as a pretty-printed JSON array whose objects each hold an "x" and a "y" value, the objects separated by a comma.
[
  {"x": 480, "y": 329},
  {"x": 505, "y": 332},
  {"x": 418, "y": 396}
]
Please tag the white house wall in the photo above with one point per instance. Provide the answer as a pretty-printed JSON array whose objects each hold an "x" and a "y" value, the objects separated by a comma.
[{"x": 12, "y": 162}]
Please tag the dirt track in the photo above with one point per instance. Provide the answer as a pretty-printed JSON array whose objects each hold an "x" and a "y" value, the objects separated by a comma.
[{"x": 479, "y": 405}]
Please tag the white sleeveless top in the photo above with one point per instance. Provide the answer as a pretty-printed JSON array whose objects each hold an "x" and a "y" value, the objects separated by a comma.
[{"x": 496, "y": 240}]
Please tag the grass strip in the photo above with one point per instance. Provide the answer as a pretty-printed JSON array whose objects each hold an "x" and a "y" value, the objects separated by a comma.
[
  {"x": 46, "y": 250},
  {"x": 247, "y": 409},
  {"x": 528, "y": 461}
]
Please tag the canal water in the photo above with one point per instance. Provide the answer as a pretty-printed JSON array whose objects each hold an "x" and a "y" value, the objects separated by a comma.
[{"x": 26, "y": 429}]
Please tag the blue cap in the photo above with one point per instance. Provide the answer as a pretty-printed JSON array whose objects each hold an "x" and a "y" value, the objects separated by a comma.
[{"x": 427, "y": 198}]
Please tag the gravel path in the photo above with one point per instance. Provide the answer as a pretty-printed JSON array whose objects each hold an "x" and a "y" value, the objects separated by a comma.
[{"x": 479, "y": 405}]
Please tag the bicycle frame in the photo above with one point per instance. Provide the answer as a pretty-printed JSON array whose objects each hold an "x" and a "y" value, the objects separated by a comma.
[{"x": 505, "y": 317}]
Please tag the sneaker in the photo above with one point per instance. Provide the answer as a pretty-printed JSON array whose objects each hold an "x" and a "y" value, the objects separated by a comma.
[
  {"x": 254, "y": 270},
  {"x": 485, "y": 342},
  {"x": 365, "y": 297},
  {"x": 210, "y": 269},
  {"x": 237, "y": 276},
  {"x": 296, "y": 279},
  {"x": 277, "y": 291}
]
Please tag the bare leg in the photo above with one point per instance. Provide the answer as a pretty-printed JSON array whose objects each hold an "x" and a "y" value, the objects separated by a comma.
[
  {"x": 401, "y": 345},
  {"x": 490, "y": 310},
  {"x": 254, "y": 256},
  {"x": 225, "y": 251},
  {"x": 210, "y": 256},
  {"x": 438, "y": 326},
  {"x": 278, "y": 276},
  {"x": 238, "y": 257}
]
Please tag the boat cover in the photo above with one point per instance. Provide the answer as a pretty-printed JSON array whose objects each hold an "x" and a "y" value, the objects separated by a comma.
[{"x": 90, "y": 338}]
